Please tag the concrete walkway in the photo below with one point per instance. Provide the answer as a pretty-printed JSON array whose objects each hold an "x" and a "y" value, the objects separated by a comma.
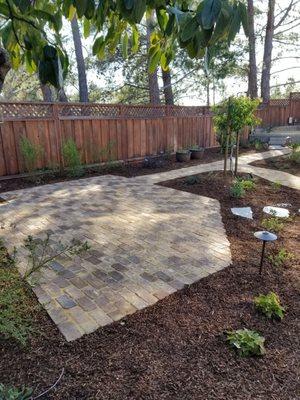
[{"x": 147, "y": 241}]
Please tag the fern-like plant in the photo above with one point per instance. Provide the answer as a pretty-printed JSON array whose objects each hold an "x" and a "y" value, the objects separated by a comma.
[
  {"x": 30, "y": 152},
  {"x": 71, "y": 158},
  {"x": 12, "y": 393}
]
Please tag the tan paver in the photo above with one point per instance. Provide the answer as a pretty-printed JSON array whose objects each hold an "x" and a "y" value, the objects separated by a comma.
[{"x": 147, "y": 242}]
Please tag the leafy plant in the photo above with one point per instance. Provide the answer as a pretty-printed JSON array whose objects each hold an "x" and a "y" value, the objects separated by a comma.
[
  {"x": 276, "y": 186},
  {"x": 41, "y": 253},
  {"x": 269, "y": 305},
  {"x": 16, "y": 307},
  {"x": 237, "y": 190},
  {"x": 258, "y": 144},
  {"x": 192, "y": 180},
  {"x": 295, "y": 155},
  {"x": 30, "y": 152},
  {"x": 6, "y": 259},
  {"x": 71, "y": 158},
  {"x": 12, "y": 393},
  {"x": 246, "y": 342},
  {"x": 273, "y": 224},
  {"x": 279, "y": 259},
  {"x": 247, "y": 184}
]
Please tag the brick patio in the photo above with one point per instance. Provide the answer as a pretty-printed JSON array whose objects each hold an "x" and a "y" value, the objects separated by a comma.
[{"x": 147, "y": 242}]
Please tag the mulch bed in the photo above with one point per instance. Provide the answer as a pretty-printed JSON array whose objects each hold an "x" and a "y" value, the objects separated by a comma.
[
  {"x": 128, "y": 170},
  {"x": 176, "y": 349},
  {"x": 280, "y": 163}
]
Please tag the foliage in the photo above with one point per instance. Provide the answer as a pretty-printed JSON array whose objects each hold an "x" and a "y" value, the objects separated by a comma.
[
  {"x": 6, "y": 260},
  {"x": 71, "y": 158},
  {"x": 246, "y": 342},
  {"x": 12, "y": 393},
  {"x": 273, "y": 224},
  {"x": 247, "y": 184},
  {"x": 192, "y": 180},
  {"x": 279, "y": 259},
  {"x": 41, "y": 253},
  {"x": 237, "y": 189},
  {"x": 16, "y": 309},
  {"x": 258, "y": 144},
  {"x": 108, "y": 153},
  {"x": 30, "y": 152},
  {"x": 295, "y": 155},
  {"x": 31, "y": 30},
  {"x": 276, "y": 185},
  {"x": 269, "y": 305}
]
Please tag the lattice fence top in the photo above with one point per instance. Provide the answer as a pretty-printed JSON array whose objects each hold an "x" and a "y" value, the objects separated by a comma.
[
  {"x": 295, "y": 96},
  {"x": 25, "y": 110},
  {"x": 279, "y": 102},
  {"x": 89, "y": 110}
]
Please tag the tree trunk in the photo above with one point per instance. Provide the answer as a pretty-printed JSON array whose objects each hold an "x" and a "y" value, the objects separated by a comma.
[
  {"x": 82, "y": 80},
  {"x": 207, "y": 93},
  {"x": 168, "y": 90},
  {"x": 267, "y": 60},
  {"x": 237, "y": 153},
  {"x": 152, "y": 77},
  {"x": 62, "y": 97},
  {"x": 47, "y": 93},
  {"x": 5, "y": 66},
  {"x": 252, "y": 80}
]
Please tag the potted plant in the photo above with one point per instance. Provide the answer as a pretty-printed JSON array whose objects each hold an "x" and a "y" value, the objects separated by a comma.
[
  {"x": 183, "y": 155},
  {"x": 196, "y": 152}
]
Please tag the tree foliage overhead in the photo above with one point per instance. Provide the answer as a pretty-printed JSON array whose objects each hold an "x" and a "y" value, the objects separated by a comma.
[{"x": 31, "y": 29}]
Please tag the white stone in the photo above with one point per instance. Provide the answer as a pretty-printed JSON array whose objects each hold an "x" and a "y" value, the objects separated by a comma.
[
  {"x": 277, "y": 211},
  {"x": 245, "y": 212}
]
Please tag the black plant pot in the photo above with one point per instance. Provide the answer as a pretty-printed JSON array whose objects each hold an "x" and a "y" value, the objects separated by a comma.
[
  {"x": 183, "y": 156},
  {"x": 197, "y": 154}
]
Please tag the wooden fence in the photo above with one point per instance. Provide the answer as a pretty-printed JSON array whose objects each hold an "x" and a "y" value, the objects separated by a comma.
[{"x": 104, "y": 132}]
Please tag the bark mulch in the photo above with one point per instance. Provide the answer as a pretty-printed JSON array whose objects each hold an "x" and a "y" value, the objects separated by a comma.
[
  {"x": 176, "y": 349},
  {"x": 128, "y": 170},
  {"x": 281, "y": 163}
]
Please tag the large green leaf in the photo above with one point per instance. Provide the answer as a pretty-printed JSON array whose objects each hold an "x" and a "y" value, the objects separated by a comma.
[
  {"x": 90, "y": 9},
  {"x": 210, "y": 12},
  {"x": 189, "y": 29},
  {"x": 125, "y": 41},
  {"x": 81, "y": 7},
  {"x": 23, "y": 5},
  {"x": 234, "y": 26},
  {"x": 244, "y": 17},
  {"x": 129, "y": 4},
  {"x": 139, "y": 10},
  {"x": 135, "y": 40},
  {"x": 50, "y": 69}
]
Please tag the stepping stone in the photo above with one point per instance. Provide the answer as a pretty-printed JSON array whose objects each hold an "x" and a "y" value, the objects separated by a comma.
[
  {"x": 244, "y": 212},
  {"x": 277, "y": 211}
]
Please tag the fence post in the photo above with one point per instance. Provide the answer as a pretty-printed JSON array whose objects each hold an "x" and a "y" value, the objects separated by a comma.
[{"x": 57, "y": 125}]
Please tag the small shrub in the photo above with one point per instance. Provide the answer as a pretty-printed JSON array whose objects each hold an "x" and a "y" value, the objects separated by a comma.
[
  {"x": 108, "y": 153},
  {"x": 237, "y": 190},
  {"x": 30, "y": 152},
  {"x": 276, "y": 186},
  {"x": 71, "y": 158},
  {"x": 246, "y": 342},
  {"x": 269, "y": 305},
  {"x": 41, "y": 253},
  {"x": 273, "y": 224},
  {"x": 258, "y": 144},
  {"x": 16, "y": 307},
  {"x": 192, "y": 180},
  {"x": 247, "y": 184},
  {"x": 279, "y": 259},
  {"x": 295, "y": 155},
  {"x": 12, "y": 393}
]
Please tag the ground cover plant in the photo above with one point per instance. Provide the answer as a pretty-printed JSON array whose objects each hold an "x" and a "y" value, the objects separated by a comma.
[
  {"x": 281, "y": 258},
  {"x": 269, "y": 305},
  {"x": 246, "y": 342},
  {"x": 185, "y": 330},
  {"x": 288, "y": 163}
]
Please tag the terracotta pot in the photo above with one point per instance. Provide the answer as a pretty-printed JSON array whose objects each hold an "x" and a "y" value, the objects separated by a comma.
[
  {"x": 197, "y": 154},
  {"x": 183, "y": 156}
]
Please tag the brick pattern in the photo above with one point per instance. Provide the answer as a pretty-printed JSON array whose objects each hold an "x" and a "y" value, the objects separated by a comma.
[{"x": 147, "y": 242}]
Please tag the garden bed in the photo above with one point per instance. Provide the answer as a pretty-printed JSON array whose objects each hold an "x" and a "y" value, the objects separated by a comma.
[
  {"x": 176, "y": 349},
  {"x": 280, "y": 163},
  {"x": 129, "y": 170}
]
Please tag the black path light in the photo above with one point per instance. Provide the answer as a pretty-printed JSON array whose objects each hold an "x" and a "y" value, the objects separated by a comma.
[{"x": 265, "y": 237}]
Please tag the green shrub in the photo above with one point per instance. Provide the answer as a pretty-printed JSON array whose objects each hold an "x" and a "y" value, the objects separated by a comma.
[
  {"x": 276, "y": 185},
  {"x": 248, "y": 184},
  {"x": 279, "y": 259},
  {"x": 12, "y": 393},
  {"x": 71, "y": 158},
  {"x": 273, "y": 224},
  {"x": 269, "y": 305},
  {"x": 258, "y": 144},
  {"x": 16, "y": 308},
  {"x": 192, "y": 180},
  {"x": 237, "y": 190},
  {"x": 30, "y": 152},
  {"x": 295, "y": 155},
  {"x": 246, "y": 342}
]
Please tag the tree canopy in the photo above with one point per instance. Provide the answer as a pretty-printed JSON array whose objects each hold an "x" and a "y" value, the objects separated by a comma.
[{"x": 30, "y": 30}]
